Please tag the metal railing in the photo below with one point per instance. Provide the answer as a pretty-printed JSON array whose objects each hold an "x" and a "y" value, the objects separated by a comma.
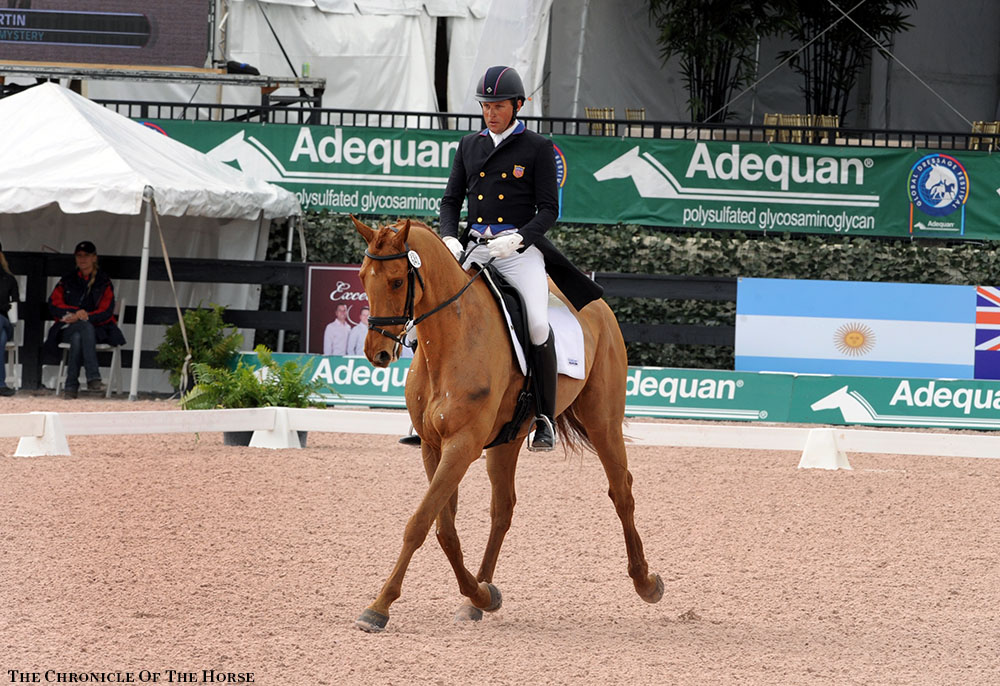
[{"x": 300, "y": 114}]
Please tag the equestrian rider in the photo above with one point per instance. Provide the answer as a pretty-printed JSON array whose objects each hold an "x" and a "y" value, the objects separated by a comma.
[{"x": 508, "y": 176}]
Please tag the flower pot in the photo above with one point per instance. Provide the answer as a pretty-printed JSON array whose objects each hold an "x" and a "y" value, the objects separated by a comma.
[{"x": 243, "y": 437}]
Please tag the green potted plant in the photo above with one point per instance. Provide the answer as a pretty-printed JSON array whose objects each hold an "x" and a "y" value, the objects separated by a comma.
[
  {"x": 212, "y": 341},
  {"x": 269, "y": 385}
]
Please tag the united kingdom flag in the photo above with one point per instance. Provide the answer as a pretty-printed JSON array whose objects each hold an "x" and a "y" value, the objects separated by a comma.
[{"x": 987, "y": 332}]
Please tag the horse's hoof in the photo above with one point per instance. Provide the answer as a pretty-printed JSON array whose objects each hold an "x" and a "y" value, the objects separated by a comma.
[
  {"x": 371, "y": 621},
  {"x": 468, "y": 613},
  {"x": 496, "y": 599},
  {"x": 657, "y": 593}
]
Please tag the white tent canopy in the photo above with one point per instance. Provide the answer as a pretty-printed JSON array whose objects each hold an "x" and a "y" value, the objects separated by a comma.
[
  {"x": 60, "y": 147},
  {"x": 71, "y": 170}
]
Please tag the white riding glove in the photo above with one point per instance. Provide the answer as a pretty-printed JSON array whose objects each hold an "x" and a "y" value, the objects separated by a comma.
[
  {"x": 454, "y": 245},
  {"x": 505, "y": 246}
]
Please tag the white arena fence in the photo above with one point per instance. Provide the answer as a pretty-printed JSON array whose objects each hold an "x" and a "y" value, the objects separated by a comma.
[{"x": 45, "y": 433}]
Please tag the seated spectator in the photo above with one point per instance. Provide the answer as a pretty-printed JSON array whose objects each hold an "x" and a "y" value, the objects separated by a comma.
[
  {"x": 8, "y": 294},
  {"x": 82, "y": 305}
]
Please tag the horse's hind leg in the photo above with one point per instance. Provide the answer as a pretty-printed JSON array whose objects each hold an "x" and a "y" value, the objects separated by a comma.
[
  {"x": 447, "y": 536},
  {"x": 501, "y": 461},
  {"x": 610, "y": 444},
  {"x": 601, "y": 412}
]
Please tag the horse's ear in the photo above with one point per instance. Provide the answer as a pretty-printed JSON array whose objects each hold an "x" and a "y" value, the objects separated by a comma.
[
  {"x": 366, "y": 231},
  {"x": 404, "y": 233}
]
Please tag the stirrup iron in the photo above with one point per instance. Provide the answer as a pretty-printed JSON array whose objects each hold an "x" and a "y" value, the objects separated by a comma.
[{"x": 552, "y": 432}]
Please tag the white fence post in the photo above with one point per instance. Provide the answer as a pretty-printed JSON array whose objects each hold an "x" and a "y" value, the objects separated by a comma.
[
  {"x": 821, "y": 451},
  {"x": 51, "y": 442}
]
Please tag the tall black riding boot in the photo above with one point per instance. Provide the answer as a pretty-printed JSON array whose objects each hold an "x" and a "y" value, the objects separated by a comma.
[{"x": 543, "y": 361}]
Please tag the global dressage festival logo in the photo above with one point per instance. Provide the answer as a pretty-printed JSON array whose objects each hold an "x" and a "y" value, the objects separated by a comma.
[
  {"x": 560, "y": 173},
  {"x": 938, "y": 186}
]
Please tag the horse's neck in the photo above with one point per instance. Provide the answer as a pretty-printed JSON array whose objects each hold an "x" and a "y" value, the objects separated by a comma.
[{"x": 469, "y": 325}]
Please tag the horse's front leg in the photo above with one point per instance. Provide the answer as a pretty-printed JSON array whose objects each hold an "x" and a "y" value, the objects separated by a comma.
[
  {"x": 501, "y": 462},
  {"x": 456, "y": 455},
  {"x": 447, "y": 536}
]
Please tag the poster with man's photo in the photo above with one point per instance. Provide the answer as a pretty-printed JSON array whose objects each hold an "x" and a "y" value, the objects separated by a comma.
[{"x": 336, "y": 310}]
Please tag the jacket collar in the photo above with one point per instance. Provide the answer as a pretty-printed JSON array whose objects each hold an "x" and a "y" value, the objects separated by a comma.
[{"x": 518, "y": 128}]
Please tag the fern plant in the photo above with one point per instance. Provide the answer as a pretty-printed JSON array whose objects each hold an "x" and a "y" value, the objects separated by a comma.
[
  {"x": 212, "y": 342},
  {"x": 270, "y": 385}
]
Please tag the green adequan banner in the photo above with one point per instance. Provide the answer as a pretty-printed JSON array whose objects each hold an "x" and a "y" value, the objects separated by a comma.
[
  {"x": 869, "y": 191},
  {"x": 717, "y": 395}
]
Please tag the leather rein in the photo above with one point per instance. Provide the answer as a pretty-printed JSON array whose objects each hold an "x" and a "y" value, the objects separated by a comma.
[{"x": 406, "y": 319}]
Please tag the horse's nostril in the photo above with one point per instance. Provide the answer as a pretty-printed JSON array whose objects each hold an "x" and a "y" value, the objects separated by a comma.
[{"x": 382, "y": 358}]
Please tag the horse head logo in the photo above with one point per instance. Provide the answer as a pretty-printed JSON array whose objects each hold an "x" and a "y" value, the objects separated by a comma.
[
  {"x": 651, "y": 179},
  {"x": 852, "y": 405},
  {"x": 247, "y": 155}
]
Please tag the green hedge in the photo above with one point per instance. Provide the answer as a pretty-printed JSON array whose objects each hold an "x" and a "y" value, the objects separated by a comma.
[{"x": 646, "y": 250}]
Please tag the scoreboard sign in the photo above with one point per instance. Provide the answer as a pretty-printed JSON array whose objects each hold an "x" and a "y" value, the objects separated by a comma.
[{"x": 106, "y": 32}]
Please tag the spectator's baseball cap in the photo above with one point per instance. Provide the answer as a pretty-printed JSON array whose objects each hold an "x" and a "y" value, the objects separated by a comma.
[{"x": 85, "y": 246}]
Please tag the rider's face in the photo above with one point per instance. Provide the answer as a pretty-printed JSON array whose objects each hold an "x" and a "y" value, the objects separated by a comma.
[{"x": 498, "y": 115}]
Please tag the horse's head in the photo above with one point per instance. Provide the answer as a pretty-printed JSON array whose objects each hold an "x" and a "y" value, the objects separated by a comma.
[
  {"x": 247, "y": 156},
  {"x": 387, "y": 274},
  {"x": 620, "y": 167}
]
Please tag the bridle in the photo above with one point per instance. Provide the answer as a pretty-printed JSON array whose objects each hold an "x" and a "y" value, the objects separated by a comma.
[{"x": 406, "y": 319}]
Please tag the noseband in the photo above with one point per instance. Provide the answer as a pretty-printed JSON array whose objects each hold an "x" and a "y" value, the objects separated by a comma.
[{"x": 406, "y": 319}]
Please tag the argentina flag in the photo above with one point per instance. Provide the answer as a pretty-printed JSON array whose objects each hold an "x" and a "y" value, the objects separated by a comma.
[{"x": 858, "y": 328}]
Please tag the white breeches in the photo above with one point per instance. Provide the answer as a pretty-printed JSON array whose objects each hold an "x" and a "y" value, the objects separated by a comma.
[{"x": 526, "y": 272}]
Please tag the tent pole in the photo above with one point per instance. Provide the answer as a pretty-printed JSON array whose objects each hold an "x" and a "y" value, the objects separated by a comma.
[
  {"x": 140, "y": 313},
  {"x": 579, "y": 58}
]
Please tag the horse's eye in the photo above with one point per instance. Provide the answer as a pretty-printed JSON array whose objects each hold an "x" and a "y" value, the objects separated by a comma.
[{"x": 397, "y": 283}]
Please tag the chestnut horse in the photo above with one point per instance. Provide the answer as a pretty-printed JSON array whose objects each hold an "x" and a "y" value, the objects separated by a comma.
[{"x": 461, "y": 389}]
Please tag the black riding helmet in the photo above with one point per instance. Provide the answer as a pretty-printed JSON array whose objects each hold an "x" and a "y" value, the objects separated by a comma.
[{"x": 500, "y": 83}]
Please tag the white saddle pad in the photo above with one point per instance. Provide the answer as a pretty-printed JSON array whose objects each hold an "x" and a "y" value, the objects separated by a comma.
[
  {"x": 568, "y": 334},
  {"x": 569, "y": 339}
]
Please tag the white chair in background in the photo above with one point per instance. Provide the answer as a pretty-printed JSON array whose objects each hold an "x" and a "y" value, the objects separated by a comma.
[{"x": 13, "y": 348}]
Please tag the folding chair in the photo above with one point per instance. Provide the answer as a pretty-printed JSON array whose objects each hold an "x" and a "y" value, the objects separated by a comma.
[
  {"x": 826, "y": 126},
  {"x": 770, "y": 134},
  {"x": 989, "y": 141},
  {"x": 13, "y": 347},
  {"x": 601, "y": 113},
  {"x": 114, "y": 370}
]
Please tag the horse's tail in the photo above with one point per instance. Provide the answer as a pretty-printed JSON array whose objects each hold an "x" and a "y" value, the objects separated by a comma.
[{"x": 572, "y": 431}]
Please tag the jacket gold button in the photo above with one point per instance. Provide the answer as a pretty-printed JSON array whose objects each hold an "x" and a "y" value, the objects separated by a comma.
[
  {"x": 499, "y": 197},
  {"x": 499, "y": 220},
  {"x": 480, "y": 197},
  {"x": 484, "y": 174},
  {"x": 479, "y": 220},
  {"x": 504, "y": 175}
]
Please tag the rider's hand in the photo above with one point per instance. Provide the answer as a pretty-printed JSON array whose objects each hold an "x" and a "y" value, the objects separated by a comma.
[
  {"x": 454, "y": 245},
  {"x": 505, "y": 246}
]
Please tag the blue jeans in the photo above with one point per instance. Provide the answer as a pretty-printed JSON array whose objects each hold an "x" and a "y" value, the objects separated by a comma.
[
  {"x": 82, "y": 350},
  {"x": 6, "y": 334}
]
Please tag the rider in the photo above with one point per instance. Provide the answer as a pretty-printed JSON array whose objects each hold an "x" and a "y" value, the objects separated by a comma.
[{"x": 508, "y": 176}]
